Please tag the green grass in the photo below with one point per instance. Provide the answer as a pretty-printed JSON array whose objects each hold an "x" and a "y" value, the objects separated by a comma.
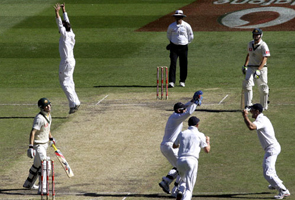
[{"x": 112, "y": 57}]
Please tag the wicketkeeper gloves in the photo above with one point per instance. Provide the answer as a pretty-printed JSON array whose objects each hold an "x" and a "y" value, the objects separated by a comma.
[
  {"x": 31, "y": 152},
  {"x": 197, "y": 98}
]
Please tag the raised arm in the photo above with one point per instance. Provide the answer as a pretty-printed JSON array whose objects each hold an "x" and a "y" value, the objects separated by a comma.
[{"x": 57, "y": 8}]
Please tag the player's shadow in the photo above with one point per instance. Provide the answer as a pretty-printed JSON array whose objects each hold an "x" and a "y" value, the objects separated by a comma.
[
  {"x": 16, "y": 117},
  {"x": 124, "y": 86},
  {"x": 164, "y": 196}
]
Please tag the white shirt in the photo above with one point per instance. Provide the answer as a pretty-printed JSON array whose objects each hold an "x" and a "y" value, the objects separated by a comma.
[
  {"x": 257, "y": 52},
  {"x": 66, "y": 40},
  {"x": 265, "y": 131},
  {"x": 42, "y": 127},
  {"x": 191, "y": 142},
  {"x": 180, "y": 34},
  {"x": 175, "y": 123}
]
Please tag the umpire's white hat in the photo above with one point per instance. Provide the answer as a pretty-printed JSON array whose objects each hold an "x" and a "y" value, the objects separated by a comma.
[{"x": 179, "y": 13}]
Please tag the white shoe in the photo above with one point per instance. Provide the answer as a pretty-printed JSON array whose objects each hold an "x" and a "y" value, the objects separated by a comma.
[
  {"x": 164, "y": 185},
  {"x": 282, "y": 194},
  {"x": 182, "y": 84},
  {"x": 34, "y": 187},
  {"x": 171, "y": 85},
  {"x": 270, "y": 187}
]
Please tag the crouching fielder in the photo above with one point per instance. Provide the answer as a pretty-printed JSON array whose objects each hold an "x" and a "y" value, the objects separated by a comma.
[
  {"x": 38, "y": 143},
  {"x": 189, "y": 143}
]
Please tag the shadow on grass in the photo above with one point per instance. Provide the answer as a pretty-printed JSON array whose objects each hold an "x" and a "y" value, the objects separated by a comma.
[
  {"x": 163, "y": 196},
  {"x": 25, "y": 192},
  {"x": 125, "y": 86},
  {"x": 212, "y": 110},
  {"x": 29, "y": 117}
]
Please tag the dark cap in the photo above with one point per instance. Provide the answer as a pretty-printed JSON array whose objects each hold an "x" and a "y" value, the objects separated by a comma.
[
  {"x": 257, "y": 106},
  {"x": 192, "y": 121},
  {"x": 180, "y": 106}
]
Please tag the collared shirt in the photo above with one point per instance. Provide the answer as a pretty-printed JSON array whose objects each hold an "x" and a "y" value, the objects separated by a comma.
[
  {"x": 257, "y": 52},
  {"x": 265, "y": 131},
  {"x": 175, "y": 123},
  {"x": 66, "y": 40},
  {"x": 190, "y": 142},
  {"x": 180, "y": 34},
  {"x": 43, "y": 128}
]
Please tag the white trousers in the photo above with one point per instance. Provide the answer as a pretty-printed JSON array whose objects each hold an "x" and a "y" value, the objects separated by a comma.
[
  {"x": 269, "y": 169},
  {"x": 66, "y": 80},
  {"x": 171, "y": 155},
  {"x": 261, "y": 82},
  {"x": 188, "y": 171}
]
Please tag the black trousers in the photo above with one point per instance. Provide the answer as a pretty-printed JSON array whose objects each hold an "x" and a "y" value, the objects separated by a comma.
[{"x": 178, "y": 51}]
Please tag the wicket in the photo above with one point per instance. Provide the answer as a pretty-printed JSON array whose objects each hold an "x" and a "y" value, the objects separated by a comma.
[
  {"x": 45, "y": 170},
  {"x": 162, "y": 81}
]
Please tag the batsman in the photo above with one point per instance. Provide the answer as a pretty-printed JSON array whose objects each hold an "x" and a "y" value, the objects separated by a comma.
[
  {"x": 255, "y": 69},
  {"x": 40, "y": 136}
]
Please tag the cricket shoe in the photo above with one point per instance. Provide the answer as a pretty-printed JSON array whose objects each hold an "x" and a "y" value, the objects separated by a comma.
[
  {"x": 171, "y": 85},
  {"x": 282, "y": 194},
  {"x": 74, "y": 109},
  {"x": 33, "y": 187},
  {"x": 179, "y": 195},
  {"x": 164, "y": 185},
  {"x": 181, "y": 84}
]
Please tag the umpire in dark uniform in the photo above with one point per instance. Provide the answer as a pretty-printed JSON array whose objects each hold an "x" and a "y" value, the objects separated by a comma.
[{"x": 180, "y": 34}]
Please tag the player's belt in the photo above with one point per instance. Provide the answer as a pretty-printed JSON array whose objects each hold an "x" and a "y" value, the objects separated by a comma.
[{"x": 256, "y": 65}]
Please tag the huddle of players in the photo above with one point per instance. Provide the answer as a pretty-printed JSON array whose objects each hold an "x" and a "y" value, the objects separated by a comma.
[{"x": 182, "y": 148}]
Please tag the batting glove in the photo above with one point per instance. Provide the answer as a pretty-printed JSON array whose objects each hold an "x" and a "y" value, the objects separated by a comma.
[
  {"x": 257, "y": 74},
  {"x": 244, "y": 69},
  {"x": 52, "y": 141},
  {"x": 31, "y": 152}
]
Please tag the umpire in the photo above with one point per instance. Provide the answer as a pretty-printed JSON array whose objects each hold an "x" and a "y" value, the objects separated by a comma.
[{"x": 180, "y": 34}]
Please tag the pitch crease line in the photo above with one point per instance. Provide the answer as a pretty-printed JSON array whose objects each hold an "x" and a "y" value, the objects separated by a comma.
[
  {"x": 223, "y": 99},
  {"x": 101, "y": 100},
  {"x": 126, "y": 196}
]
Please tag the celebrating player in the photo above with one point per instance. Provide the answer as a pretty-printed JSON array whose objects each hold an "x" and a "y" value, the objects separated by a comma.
[
  {"x": 173, "y": 128},
  {"x": 255, "y": 69},
  {"x": 271, "y": 146},
  {"x": 39, "y": 137},
  {"x": 68, "y": 62},
  {"x": 189, "y": 143}
]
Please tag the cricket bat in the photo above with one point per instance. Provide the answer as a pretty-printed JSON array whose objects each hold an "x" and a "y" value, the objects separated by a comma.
[{"x": 63, "y": 162}]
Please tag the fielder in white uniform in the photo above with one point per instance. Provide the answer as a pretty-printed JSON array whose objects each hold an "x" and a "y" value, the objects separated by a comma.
[
  {"x": 190, "y": 142},
  {"x": 271, "y": 146},
  {"x": 68, "y": 62},
  {"x": 173, "y": 128},
  {"x": 38, "y": 143},
  {"x": 255, "y": 68}
]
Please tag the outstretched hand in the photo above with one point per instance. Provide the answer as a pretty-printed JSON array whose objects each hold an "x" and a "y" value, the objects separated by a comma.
[
  {"x": 57, "y": 7},
  {"x": 63, "y": 6}
]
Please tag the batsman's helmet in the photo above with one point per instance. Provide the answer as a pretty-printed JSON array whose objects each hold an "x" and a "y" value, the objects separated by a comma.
[
  {"x": 43, "y": 102},
  {"x": 257, "y": 31}
]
